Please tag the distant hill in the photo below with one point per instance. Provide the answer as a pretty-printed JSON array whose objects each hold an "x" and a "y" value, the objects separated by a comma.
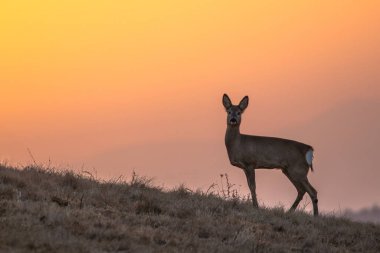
[
  {"x": 45, "y": 210},
  {"x": 346, "y": 140},
  {"x": 371, "y": 214}
]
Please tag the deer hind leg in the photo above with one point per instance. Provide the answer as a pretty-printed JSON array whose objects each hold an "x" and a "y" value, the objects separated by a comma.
[
  {"x": 312, "y": 193},
  {"x": 300, "y": 191},
  {"x": 250, "y": 174}
]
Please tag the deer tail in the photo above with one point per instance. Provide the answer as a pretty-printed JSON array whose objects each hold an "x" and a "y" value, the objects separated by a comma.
[{"x": 309, "y": 158}]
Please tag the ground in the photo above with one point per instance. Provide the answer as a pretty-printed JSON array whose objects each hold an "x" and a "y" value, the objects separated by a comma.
[{"x": 49, "y": 210}]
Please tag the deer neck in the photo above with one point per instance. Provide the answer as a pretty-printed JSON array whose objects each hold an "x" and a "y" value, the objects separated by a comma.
[{"x": 232, "y": 136}]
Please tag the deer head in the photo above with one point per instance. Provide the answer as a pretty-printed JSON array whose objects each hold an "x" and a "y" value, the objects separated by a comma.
[{"x": 234, "y": 112}]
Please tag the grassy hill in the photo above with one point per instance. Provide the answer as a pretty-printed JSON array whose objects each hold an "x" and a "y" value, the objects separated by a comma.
[{"x": 45, "y": 210}]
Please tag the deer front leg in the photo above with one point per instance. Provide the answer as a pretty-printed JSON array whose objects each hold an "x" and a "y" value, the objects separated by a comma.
[{"x": 250, "y": 174}]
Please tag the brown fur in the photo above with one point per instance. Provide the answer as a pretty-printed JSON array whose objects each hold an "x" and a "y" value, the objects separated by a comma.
[{"x": 250, "y": 152}]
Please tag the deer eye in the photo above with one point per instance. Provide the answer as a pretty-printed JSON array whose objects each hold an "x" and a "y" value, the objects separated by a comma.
[
  {"x": 238, "y": 113},
  {"x": 229, "y": 113}
]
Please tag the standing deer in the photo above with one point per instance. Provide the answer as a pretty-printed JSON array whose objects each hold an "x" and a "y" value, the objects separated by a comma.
[{"x": 250, "y": 152}]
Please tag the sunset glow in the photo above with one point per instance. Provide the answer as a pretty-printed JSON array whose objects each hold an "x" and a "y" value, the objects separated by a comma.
[{"x": 137, "y": 85}]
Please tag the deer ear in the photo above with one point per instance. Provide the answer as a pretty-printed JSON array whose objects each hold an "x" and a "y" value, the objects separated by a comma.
[
  {"x": 226, "y": 101},
  {"x": 244, "y": 103}
]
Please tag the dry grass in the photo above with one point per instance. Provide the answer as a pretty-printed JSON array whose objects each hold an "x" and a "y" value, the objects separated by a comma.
[{"x": 44, "y": 210}]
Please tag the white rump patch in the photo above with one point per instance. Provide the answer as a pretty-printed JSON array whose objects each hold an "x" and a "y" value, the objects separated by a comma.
[{"x": 309, "y": 157}]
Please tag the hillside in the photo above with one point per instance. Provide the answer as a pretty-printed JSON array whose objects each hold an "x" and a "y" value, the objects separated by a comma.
[{"x": 46, "y": 210}]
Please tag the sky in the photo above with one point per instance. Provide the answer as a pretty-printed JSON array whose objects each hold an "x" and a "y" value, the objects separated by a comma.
[{"x": 117, "y": 86}]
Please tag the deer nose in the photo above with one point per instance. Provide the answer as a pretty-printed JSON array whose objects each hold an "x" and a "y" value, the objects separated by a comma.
[{"x": 233, "y": 121}]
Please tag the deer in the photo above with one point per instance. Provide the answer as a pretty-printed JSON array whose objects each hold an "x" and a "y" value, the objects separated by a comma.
[{"x": 251, "y": 152}]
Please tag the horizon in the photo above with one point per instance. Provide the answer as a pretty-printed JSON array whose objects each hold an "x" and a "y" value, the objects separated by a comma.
[{"x": 129, "y": 86}]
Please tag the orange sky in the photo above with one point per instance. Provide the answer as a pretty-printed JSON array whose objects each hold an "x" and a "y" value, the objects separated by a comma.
[{"x": 123, "y": 85}]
